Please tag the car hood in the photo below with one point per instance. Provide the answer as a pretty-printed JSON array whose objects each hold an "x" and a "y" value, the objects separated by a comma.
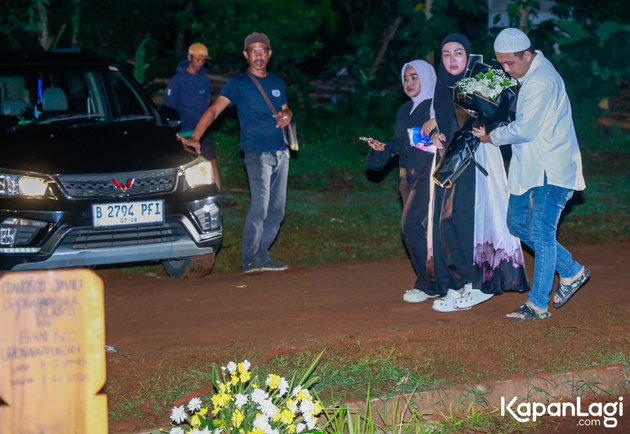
[{"x": 58, "y": 148}]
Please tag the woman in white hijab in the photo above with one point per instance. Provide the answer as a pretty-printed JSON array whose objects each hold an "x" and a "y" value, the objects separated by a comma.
[{"x": 415, "y": 159}]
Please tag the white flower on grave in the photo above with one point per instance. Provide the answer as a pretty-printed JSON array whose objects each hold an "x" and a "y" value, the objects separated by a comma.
[
  {"x": 262, "y": 422},
  {"x": 268, "y": 408},
  {"x": 284, "y": 387},
  {"x": 178, "y": 414},
  {"x": 241, "y": 406},
  {"x": 240, "y": 400},
  {"x": 292, "y": 405},
  {"x": 310, "y": 422},
  {"x": 194, "y": 405},
  {"x": 259, "y": 395},
  {"x": 306, "y": 407}
]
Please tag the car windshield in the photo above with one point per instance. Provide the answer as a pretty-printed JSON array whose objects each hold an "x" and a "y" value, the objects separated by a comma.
[{"x": 32, "y": 95}]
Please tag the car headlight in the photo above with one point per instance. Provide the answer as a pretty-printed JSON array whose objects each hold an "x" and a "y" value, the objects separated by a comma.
[
  {"x": 199, "y": 174},
  {"x": 22, "y": 185}
]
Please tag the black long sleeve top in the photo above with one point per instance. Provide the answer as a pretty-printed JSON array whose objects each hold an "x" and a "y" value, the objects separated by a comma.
[{"x": 417, "y": 163}]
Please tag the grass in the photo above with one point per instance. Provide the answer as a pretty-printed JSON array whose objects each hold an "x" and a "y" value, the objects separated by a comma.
[
  {"x": 386, "y": 373},
  {"x": 363, "y": 379},
  {"x": 478, "y": 421},
  {"x": 324, "y": 227}
]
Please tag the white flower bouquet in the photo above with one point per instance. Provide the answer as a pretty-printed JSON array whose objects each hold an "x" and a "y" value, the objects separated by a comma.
[
  {"x": 486, "y": 96},
  {"x": 489, "y": 83},
  {"x": 242, "y": 404}
]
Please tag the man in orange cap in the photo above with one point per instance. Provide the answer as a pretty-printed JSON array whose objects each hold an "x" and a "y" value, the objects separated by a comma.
[{"x": 189, "y": 92}]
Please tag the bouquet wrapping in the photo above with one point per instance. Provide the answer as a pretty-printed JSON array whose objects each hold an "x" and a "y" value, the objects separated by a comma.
[{"x": 484, "y": 96}]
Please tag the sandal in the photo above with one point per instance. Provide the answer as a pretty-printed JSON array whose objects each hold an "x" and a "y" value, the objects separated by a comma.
[
  {"x": 565, "y": 292},
  {"x": 446, "y": 304},
  {"x": 527, "y": 313}
]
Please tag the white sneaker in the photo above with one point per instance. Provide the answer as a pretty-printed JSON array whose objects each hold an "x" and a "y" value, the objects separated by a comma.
[
  {"x": 445, "y": 304},
  {"x": 416, "y": 296},
  {"x": 472, "y": 297}
]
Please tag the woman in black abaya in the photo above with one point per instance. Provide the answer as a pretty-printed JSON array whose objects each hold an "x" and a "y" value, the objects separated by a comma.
[{"x": 474, "y": 255}]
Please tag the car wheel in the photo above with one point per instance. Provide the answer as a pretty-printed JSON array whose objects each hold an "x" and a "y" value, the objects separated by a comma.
[{"x": 189, "y": 268}]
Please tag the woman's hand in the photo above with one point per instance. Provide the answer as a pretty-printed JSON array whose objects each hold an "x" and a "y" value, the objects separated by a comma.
[
  {"x": 428, "y": 126},
  {"x": 376, "y": 145},
  {"x": 189, "y": 145},
  {"x": 438, "y": 139}
]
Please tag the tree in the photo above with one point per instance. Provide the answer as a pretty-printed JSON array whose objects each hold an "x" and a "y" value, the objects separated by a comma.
[
  {"x": 591, "y": 12},
  {"x": 297, "y": 29}
]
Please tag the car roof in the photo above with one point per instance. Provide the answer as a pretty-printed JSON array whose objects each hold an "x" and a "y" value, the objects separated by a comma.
[{"x": 56, "y": 57}]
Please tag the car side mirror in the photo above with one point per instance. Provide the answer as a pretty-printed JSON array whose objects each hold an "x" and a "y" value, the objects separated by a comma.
[{"x": 171, "y": 117}]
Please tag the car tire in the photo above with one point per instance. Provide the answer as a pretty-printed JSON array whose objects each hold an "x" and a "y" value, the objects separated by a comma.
[{"x": 190, "y": 268}]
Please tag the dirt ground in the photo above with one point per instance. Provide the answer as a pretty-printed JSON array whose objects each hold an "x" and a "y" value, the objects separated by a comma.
[{"x": 357, "y": 309}]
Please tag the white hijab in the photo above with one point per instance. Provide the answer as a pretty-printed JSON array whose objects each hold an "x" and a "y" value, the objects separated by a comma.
[{"x": 427, "y": 76}]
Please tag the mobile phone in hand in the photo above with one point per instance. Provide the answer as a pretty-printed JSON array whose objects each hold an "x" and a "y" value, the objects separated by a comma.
[{"x": 365, "y": 139}]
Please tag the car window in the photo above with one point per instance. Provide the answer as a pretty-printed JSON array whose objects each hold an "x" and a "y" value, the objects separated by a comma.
[
  {"x": 125, "y": 98},
  {"x": 34, "y": 93},
  {"x": 41, "y": 94},
  {"x": 14, "y": 95}
]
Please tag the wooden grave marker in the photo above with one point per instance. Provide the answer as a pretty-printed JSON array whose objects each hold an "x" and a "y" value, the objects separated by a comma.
[{"x": 52, "y": 353}]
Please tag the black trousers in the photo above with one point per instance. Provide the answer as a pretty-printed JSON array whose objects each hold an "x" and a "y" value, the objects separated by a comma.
[{"x": 414, "y": 231}]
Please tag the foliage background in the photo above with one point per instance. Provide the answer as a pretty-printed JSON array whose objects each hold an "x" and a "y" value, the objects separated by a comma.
[
  {"x": 358, "y": 43},
  {"x": 341, "y": 60}
]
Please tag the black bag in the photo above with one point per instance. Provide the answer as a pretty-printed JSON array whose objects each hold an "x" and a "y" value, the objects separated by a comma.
[{"x": 459, "y": 154}]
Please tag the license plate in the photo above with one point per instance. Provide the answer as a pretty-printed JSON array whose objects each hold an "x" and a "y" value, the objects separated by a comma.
[{"x": 127, "y": 213}]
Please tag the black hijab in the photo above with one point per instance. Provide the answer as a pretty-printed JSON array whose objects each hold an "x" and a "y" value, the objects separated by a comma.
[{"x": 443, "y": 98}]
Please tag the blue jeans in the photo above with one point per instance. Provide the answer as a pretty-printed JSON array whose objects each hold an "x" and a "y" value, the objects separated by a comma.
[
  {"x": 533, "y": 217},
  {"x": 267, "y": 173}
]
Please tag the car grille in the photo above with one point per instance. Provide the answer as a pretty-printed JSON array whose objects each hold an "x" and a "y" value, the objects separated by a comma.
[
  {"x": 88, "y": 238},
  {"x": 130, "y": 184}
]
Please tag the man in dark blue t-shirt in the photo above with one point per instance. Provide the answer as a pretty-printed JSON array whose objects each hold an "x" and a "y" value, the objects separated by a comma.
[{"x": 266, "y": 155}]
